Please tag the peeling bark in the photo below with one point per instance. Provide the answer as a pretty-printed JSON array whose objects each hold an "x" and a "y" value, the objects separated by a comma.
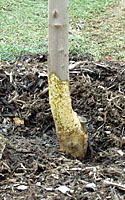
[{"x": 73, "y": 139}]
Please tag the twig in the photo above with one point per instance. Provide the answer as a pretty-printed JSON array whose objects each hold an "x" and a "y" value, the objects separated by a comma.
[
  {"x": 101, "y": 66},
  {"x": 43, "y": 92},
  {"x": 14, "y": 98},
  {"x": 11, "y": 77},
  {"x": 119, "y": 186},
  {"x": 120, "y": 89},
  {"x": 117, "y": 106},
  {"x": 75, "y": 65},
  {"x": 115, "y": 97},
  {"x": 111, "y": 87},
  {"x": 100, "y": 126}
]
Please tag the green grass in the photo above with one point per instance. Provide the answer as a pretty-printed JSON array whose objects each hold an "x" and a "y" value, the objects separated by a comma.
[{"x": 23, "y": 28}]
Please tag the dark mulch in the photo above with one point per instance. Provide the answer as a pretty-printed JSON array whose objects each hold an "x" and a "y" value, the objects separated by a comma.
[{"x": 32, "y": 166}]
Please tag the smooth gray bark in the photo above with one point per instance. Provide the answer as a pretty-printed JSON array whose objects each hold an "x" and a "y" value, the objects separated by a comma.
[{"x": 58, "y": 38}]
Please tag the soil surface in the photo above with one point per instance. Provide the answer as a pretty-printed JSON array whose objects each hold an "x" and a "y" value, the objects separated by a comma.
[{"x": 32, "y": 167}]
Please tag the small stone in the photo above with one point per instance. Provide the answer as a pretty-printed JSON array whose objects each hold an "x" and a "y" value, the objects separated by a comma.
[
  {"x": 91, "y": 186},
  {"x": 100, "y": 109},
  {"x": 49, "y": 189},
  {"x": 108, "y": 132},
  {"x": 44, "y": 135},
  {"x": 64, "y": 189},
  {"x": 22, "y": 187},
  {"x": 47, "y": 145},
  {"x": 120, "y": 152},
  {"x": 38, "y": 184},
  {"x": 100, "y": 119}
]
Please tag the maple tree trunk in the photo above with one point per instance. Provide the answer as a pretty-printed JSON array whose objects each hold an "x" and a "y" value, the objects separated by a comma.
[{"x": 72, "y": 137}]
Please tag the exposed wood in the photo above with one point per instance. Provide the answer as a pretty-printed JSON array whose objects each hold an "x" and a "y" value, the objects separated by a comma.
[{"x": 72, "y": 137}]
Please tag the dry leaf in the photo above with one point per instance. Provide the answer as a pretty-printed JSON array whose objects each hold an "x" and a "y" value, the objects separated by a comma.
[{"x": 18, "y": 121}]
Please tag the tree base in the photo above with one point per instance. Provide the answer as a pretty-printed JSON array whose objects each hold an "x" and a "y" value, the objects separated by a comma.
[
  {"x": 74, "y": 146},
  {"x": 73, "y": 139}
]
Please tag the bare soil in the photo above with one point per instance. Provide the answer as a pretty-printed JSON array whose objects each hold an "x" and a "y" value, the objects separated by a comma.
[{"x": 32, "y": 166}]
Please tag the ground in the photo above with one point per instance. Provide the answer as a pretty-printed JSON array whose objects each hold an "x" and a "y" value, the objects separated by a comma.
[{"x": 31, "y": 163}]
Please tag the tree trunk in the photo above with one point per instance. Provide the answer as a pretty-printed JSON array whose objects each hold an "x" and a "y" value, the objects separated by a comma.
[{"x": 72, "y": 137}]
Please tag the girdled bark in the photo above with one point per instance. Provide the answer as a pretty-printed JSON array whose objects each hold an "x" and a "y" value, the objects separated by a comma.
[{"x": 72, "y": 137}]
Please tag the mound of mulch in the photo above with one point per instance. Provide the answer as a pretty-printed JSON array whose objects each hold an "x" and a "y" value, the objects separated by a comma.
[{"x": 31, "y": 164}]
